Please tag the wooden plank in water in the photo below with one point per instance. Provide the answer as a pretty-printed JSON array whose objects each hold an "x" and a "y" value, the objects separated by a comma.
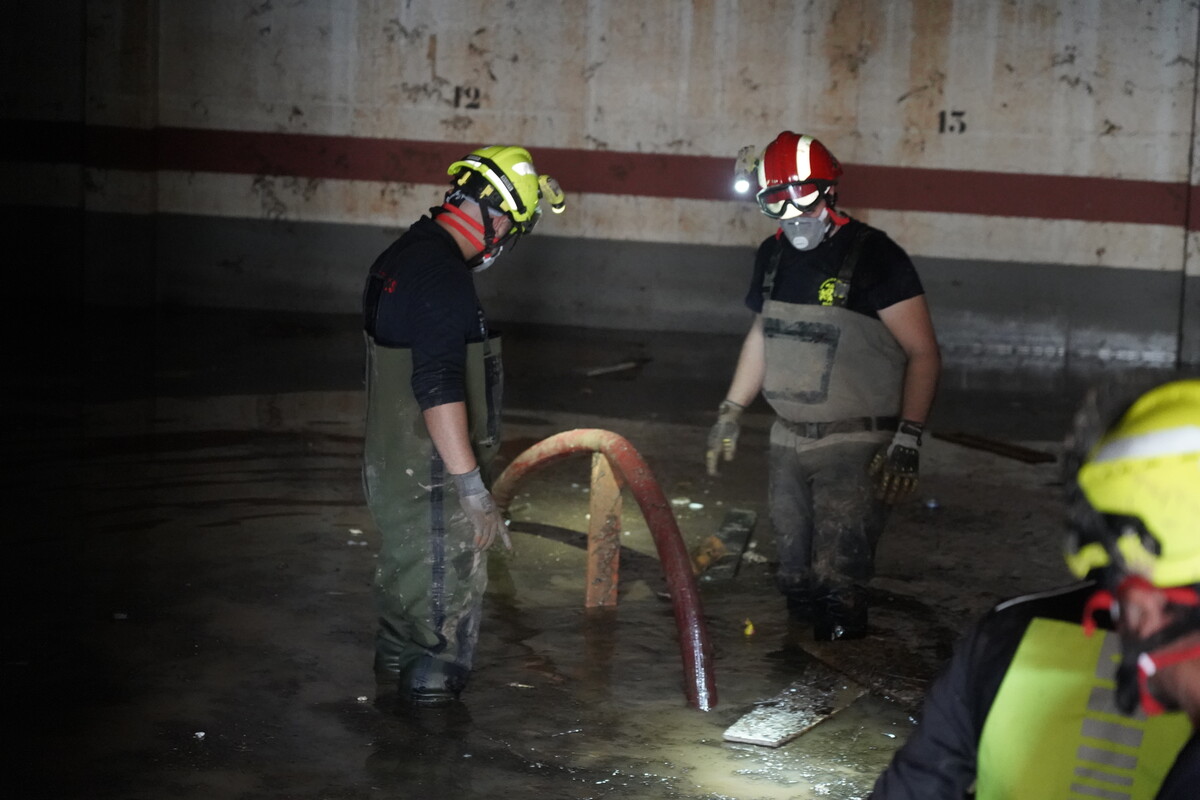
[
  {"x": 816, "y": 697},
  {"x": 1006, "y": 449}
]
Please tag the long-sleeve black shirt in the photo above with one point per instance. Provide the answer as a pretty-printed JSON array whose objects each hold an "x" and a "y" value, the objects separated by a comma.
[{"x": 419, "y": 295}]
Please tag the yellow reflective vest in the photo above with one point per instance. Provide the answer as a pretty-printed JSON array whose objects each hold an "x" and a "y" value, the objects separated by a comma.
[{"x": 1054, "y": 730}]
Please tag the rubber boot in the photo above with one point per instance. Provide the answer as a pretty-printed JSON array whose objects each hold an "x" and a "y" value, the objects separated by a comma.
[
  {"x": 797, "y": 592},
  {"x": 799, "y": 606},
  {"x": 841, "y": 614},
  {"x": 429, "y": 682},
  {"x": 389, "y": 664}
]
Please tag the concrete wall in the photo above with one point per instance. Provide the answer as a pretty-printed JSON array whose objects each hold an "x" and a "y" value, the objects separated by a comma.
[{"x": 1035, "y": 158}]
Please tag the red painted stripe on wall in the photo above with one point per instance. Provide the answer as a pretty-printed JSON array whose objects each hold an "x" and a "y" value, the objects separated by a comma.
[{"x": 1000, "y": 194}]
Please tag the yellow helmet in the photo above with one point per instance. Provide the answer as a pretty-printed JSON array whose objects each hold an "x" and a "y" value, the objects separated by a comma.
[
  {"x": 503, "y": 177},
  {"x": 1143, "y": 479}
]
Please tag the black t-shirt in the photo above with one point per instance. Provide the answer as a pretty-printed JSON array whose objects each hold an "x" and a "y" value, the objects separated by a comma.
[
  {"x": 419, "y": 294},
  {"x": 885, "y": 275}
]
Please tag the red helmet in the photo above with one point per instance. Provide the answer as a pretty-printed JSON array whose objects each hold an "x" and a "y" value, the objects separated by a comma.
[{"x": 796, "y": 168}]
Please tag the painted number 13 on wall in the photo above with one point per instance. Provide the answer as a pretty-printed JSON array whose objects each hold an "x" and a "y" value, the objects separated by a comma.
[{"x": 952, "y": 121}]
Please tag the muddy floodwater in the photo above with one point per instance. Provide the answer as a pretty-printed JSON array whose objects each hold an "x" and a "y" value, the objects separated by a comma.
[
  {"x": 189, "y": 616},
  {"x": 218, "y": 641}
]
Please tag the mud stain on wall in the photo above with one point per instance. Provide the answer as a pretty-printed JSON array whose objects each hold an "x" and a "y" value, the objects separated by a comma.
[
  {"x": 929, "y": 50},
  {"x": 851, "y": 36}
]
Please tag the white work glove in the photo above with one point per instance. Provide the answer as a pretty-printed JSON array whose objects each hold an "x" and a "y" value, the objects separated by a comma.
[
  {"x": 480, "y": 507},
  {"x": 896, "y": 465},
  {"x": 722, "y": 439}
]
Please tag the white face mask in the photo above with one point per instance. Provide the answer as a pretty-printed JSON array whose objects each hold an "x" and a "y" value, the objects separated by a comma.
[{"x": 805, "y": 233}]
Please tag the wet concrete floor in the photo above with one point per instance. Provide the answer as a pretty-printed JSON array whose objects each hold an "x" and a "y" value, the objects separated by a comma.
[{"x": 187, "y": 577}]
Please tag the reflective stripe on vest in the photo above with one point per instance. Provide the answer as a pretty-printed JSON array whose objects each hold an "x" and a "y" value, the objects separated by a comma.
[{"x": 1054, "y": 730}]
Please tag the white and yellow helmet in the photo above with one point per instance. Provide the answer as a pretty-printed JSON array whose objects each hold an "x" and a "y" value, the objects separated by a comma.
[{"x": 1142, "y": 478}]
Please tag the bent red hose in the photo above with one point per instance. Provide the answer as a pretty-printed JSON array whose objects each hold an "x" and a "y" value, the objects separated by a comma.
[{"x": 694, "y": 645}]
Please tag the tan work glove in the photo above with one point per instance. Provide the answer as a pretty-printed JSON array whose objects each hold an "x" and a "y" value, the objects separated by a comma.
[
  {"x": 897, "y": 463},
  {"x": 480, "y": 507},
  {"x": 722, "y": 439}
]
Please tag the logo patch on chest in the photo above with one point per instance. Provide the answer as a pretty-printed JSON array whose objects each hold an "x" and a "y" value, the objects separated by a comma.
[{"x": 825, "y": 293}]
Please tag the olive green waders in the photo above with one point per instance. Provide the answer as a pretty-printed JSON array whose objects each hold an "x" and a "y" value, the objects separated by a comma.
[
  {"x": 430, "y": 578},
  {"x": 835, "y": 379}
]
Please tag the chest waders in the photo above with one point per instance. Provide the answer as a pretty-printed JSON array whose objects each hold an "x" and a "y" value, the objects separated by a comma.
[
  {"x": 835, "y": 379},
  {"x": 825, "y": 363},
  {"x": 1054, "y": 729},
  {"x": 430, "y": 579}
]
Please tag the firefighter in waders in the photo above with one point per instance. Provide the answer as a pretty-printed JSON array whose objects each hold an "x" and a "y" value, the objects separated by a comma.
[
  {"x": 434, "y": 382},
  {"x": 1056, "y": 694},
  {"x": 843, "y": 349}
]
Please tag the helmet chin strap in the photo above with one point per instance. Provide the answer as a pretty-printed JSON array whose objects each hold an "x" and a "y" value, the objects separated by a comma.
[
  {"x": 1141, "y": 659},
  {"x": 1148, "y": 664},
  {"x": 481, "y": 236},
  {"x": 462, "y": 222}
]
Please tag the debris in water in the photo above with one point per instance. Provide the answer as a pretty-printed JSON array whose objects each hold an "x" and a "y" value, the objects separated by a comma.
[
  {"x": 695, "y": 506},
  {"x": 680, "y": 501},
  {"x": 795, "y": 710},
  {"x": 568, "y": 732},
  {"x": 719, "y": 556},
  {"x": 199, "y": 735},
  {"x": 619, "y": 367},
  {"x": 749, "y": 629}
]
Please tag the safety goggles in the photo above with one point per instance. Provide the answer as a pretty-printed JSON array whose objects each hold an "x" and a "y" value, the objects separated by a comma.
[
  {"x": 803, "y": 196},
  {"x": 515, "y": 228}
]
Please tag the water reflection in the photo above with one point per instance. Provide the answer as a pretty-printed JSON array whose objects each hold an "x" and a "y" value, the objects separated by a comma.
[{"x": 570, "y": 703}]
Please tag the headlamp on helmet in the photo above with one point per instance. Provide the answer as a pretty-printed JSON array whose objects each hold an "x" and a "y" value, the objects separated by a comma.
[{"x": 744, "y": 169}]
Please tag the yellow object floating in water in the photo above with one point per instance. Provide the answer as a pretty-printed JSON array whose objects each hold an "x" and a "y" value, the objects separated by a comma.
[{"x": 749, "y": 629}]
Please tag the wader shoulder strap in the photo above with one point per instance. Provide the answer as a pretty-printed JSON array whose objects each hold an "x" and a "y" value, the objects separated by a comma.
[
  {"x": 768, "y": 282},
  {"x": 841, "y": 288},
  {"x": 371, "y": 302},
  {"x": 377, "y": 279}
]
